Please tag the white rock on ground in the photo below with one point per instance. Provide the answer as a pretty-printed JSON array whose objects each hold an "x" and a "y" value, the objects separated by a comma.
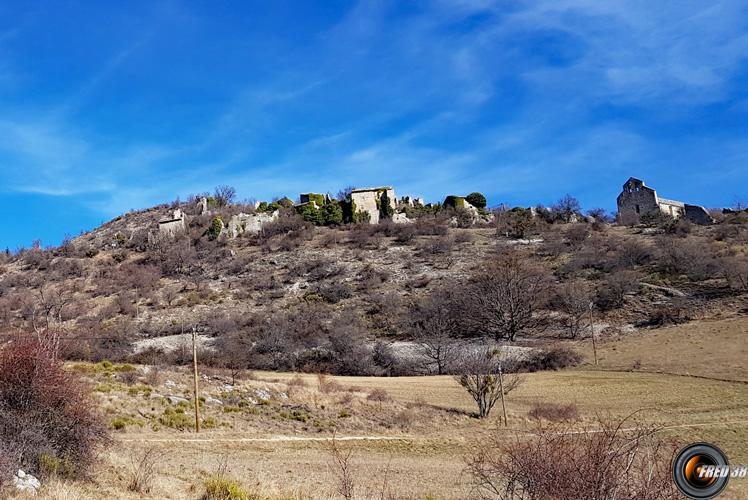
[
  {"x": 26, "y": 482},
  {"x": 175, "y": 400}
]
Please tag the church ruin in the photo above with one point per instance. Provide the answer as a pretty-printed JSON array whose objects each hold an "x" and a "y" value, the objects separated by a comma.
[{"x": 637, "y": 200}]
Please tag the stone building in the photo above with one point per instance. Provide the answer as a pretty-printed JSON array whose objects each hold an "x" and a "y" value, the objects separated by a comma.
[
  {"x": 370, "y": 200},
  {"x": 637, "y": 199},
  {"x": 249, "y": 223},
  {"x": 173, "y": 225}
]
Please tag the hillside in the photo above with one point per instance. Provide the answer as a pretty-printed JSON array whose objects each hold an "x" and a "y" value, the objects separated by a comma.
[{"x": 356, "y": 299}]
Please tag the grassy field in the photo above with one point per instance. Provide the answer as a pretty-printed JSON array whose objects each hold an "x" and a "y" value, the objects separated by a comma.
[{"x": 422, "y": 430}]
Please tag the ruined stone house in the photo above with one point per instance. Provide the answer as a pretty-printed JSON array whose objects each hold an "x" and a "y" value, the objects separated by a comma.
[
  {"x": 637, "y": 199},
  {"x": 370, "y": 200},
  {"x": 249, "y": 223},
  {"x": 170, "y": 226}
]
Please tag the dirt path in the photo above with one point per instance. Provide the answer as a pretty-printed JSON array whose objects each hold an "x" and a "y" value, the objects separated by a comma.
[
  {"x": 291, "y": 439},
  {"x": 273, "y": 439}
]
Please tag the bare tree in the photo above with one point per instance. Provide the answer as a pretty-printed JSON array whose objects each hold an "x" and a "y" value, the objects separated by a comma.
[
  {"x": 481, "y": 373},
  {"x": 345, "y": 193},
  {"x": 574, "y": 299},
  {"x": 224, "y": 195},
  {"x": 434, "y": 321},
  {"x": 504, "y": 297},
  {"x": 566, "y": 208}
]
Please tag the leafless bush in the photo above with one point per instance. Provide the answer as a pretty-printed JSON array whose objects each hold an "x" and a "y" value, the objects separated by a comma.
[
  {"x": 296, "y": 382},
  {"x": 632, "y": 253},
  {"x": 576, "y": 234},
  {"x": 430, "y": 226},
  {"x": 378, "y": 394},
  {"x": 616, "y": 286},
  {"x": 143, "y": 470},
  {"x": 674, "y": 312},
  {"x": 405, "y": 418},
  {"x": 441, "y": 245},
  {"x": 288, "y": 221},
  {"x": 334, "y": 292},
  {"x": 620, "y": 459},
  {"x": 696, "y": 259},
  {"x": 550, "y": 358},
  {"x": 553, "y": 412},
  {"x": 482, "y": 375},
  {"x": 735, "y": 270},
  {"x": 463, "y": 237},
  {"x": 342, "y": 467},
  {"x": 327, "y": 385}
]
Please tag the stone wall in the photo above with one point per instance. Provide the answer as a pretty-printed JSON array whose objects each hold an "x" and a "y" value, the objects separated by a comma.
[
  {"x": 249, "y": 223},
  {"x": 172, "y": 226},
  {"x": 368, "y": 200}
]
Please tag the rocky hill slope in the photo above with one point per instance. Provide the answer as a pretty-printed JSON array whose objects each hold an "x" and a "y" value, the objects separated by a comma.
[{"x": 359, "y": 298}]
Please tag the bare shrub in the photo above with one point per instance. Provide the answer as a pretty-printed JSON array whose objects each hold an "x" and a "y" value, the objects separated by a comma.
[
  {"x": 632, "y": 253},
  {"x": 327, "y": 385},
  {"x": 430, "y": 226},
  {"x": 735, "y": 270},
  {"x": 48, "y": 420},
  {"x": 334, "y": 292},
  {"x": 405, "y": 418},
  {"x": 674, "y": 312},
  {"x": 288, "y": 221},
  {"x": 504, "y": 297},
  {"x": 617, "y": 460},
  {"x": 378, "y": 394},
  {"x": 481, "y": 374},
  {"x": 441, "y": 245},
  {"x": 515, "y": 223},
  {"x": 696, "y": 259},
  {"x": 342, "y": 468},
  {"x": 463, "y": 237},
  {"x": 554, "y": 412},
  {"x": 577, "y": 234},
  {"x": 552, "y": 358},
  {"x": 296, "y": 381},
  {"x": 143, "y": 470},
  {"x": 613, "y": 291}
]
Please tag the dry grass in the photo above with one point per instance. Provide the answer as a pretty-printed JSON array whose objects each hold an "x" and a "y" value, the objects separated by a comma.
[
  {"x": 715, "y": 349},
  {"x": 422, "y": 457}
]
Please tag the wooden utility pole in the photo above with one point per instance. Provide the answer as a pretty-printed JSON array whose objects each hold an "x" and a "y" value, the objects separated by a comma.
[
  {"x": 194, "y": 369},
  {"x": 592, "y": 331},
  {"x": 501, "y": 388}
]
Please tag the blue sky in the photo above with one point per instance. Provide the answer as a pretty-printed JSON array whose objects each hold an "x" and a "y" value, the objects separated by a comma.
[{"x": 111, "y": 106}]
